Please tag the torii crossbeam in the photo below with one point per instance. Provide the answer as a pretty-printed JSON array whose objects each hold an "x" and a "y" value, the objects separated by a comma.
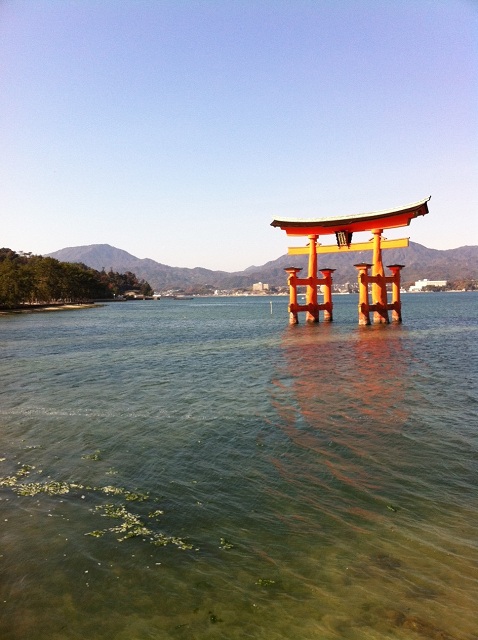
[{"x": 343, "y": 227}]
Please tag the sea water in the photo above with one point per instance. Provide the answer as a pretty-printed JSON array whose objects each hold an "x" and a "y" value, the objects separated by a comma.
[{"x": 201, "y": 469}]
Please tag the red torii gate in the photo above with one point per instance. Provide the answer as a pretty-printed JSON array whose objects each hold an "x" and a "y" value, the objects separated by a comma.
[{"x": 343, "y": 227}]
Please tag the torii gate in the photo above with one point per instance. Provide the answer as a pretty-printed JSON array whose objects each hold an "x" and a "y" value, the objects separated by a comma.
[{"x": 343, "y": 227}]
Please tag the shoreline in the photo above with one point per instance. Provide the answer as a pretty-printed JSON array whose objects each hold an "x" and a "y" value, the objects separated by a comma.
[{"x": 40, "y": 308}]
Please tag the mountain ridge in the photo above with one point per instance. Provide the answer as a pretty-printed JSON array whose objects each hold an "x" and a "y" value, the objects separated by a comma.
[{"x": 420, "y": 263}]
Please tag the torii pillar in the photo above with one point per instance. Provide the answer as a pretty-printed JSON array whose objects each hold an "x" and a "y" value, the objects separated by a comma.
[
  {"x": 293, "y": 303},
  {"x": 394, "y": 279},
  {"x": 379, "y": 286},
  {"x": 312, "y": 313}
]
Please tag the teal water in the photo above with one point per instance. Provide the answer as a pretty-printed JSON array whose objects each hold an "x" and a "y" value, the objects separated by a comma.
[{"x": 200, "y": 469}]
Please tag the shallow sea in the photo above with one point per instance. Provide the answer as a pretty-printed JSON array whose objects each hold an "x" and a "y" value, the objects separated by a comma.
[{"x": 200, "y": 469}]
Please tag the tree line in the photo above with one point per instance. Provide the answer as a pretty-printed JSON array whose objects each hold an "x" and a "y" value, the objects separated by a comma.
[{"x": 31, "y": 279}]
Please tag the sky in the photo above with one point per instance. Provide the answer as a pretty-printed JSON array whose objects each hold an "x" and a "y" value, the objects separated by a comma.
[{"x": 178, "y": 130}]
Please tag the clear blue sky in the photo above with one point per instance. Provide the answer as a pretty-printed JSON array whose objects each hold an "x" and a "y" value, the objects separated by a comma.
[{"x": 178, "y": 130}]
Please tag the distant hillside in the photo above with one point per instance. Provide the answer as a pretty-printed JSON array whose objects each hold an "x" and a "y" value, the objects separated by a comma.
[
  {"x": 159, "y": 276},
  {"x": 420, "y": 262}
]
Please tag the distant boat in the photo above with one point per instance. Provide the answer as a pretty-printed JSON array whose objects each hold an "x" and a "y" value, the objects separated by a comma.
[{"x": 182, "y": 297}]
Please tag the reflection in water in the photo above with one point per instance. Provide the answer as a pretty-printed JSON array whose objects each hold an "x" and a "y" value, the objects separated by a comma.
[
  {"x": 366, "y": 493},
  {"x": 348, "y": 400}
]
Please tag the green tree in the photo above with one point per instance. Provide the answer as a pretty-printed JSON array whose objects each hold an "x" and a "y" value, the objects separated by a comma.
[{"x": 10, "y": 284}]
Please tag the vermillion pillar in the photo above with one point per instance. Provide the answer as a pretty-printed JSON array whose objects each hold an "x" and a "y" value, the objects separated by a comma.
[
  {"x": 396, "y": 304},
  {"x": 363, "y": 305},
  {"x": 379, "y": 287},
  {"x": 312, "y": 313},
  {"x": 293, "y": 305},
  {"x": 327, "y": 288}
]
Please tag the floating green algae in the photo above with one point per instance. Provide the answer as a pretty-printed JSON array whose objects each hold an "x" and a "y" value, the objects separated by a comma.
[
  {"x": 92, "y": 456},
  {"x": 52, "y": 488},
  {"x": 265, "y": 582},
  {"x": 96, "y": 533},
  {"x": 131, "y": 525},
  {"x": 225, "y": 544}
]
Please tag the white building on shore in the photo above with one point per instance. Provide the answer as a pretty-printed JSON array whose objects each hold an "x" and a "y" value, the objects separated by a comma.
[
  {"x": 422, "y": 284},
  {"x": 260, "y": 287}
]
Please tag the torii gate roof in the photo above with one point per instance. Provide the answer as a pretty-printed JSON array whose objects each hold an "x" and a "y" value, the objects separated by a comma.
[{"x": 388, "y": 219}]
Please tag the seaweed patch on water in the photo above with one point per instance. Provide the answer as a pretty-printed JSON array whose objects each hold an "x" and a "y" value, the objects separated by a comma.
[
  {"x": 92, "y": 456},
  {"x": 225, "y": 544},
  {"x": 130, "y": 525},
  {"x": 133, "y": 526},
  {"x": 265, "y": 582}
]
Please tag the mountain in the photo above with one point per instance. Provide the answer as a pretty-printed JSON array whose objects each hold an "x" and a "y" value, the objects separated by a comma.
[
  {"x": 420, "y": 263},
  {"x": 160, "y": 276}
]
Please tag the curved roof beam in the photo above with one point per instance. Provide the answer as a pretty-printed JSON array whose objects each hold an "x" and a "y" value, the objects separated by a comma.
[{"x": 387, "y": 219}]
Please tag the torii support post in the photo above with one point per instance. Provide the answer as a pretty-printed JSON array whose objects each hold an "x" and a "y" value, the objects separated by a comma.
[
  {"x": 312, "y": 313},
  {"x": 293, "y": 305},
  {"x": 327, "y": 306},
  {"x": 363, "y": 305},
  {"x": 379, "y": 286},
  {"x": 396, "y": 304}
]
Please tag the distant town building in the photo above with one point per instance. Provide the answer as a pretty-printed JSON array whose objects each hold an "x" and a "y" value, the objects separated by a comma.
[
  {"x": 260, "y": 287},
  {"x": 423, "y": 284}
]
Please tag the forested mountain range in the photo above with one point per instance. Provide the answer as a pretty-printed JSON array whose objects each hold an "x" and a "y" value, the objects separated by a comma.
[{"x": 420, "y": 262}]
